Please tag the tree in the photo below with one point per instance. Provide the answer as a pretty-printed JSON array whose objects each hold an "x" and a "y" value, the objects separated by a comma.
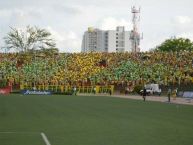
[
  {"x": 175, "y": 44},
  {"x": 32, "y": 38}
]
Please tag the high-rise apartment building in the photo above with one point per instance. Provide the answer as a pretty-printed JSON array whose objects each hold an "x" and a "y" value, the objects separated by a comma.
[{"x": 106, "y": 41}]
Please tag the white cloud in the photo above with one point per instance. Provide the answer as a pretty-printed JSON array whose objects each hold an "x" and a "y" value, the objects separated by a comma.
[
  {"x": 4, "y": 13},
  {"x": 111, "y": 23},
  {"x": 70, "y": 18},
  {"x": 186, "y": 35},
  {"x": 67, "y": 41},
  {"x": 183, "y": 19},
  {"x": 21, "y": 12},
  {"x": 67, "y": 9},
  {"x": 183, "y": 26}
]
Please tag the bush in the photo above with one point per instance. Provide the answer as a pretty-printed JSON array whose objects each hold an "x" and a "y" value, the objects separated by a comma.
[
  {"x": 3, "y": 83},
  {"x": 137, "y": 89}
]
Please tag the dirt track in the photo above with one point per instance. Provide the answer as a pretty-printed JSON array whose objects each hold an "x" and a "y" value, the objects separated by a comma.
[{"x": 178, "y": 100}]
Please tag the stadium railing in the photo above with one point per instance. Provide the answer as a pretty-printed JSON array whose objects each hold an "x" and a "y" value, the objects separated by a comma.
[{"x": 63, "y": 89}]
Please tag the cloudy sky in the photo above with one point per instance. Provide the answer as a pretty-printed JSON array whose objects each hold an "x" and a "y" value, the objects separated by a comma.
[{"x": 68, "y": 19}]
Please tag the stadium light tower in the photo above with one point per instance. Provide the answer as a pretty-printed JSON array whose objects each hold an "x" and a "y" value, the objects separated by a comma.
[{"x": 135, "y": 36}]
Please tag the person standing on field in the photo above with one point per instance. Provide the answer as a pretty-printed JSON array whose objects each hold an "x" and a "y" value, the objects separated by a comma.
[
  {"x": 169, "y": 94},
  {"x": 175, "y": 93},
  {"x": 74, "y": 90},
  {"x": 144, "y": 94},
  {"x": 94, "y": 90},
  {"x": 110, "y": 92}
]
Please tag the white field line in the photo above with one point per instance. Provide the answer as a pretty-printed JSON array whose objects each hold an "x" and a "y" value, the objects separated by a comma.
[
  {"x": 42, "y": 134},
  {"x": 45, "y": 139}
]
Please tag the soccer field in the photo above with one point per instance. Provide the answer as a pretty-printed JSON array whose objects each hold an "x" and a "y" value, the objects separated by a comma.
[{"x": 92, "y": 120}]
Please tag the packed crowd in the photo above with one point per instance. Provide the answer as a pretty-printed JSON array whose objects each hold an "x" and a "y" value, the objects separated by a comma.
[{"x": 97, "y": 68}]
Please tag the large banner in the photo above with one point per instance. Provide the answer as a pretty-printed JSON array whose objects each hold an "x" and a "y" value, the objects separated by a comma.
[
  {"x": 35, "y": 92},
  {"x": 5, "y": 90}
]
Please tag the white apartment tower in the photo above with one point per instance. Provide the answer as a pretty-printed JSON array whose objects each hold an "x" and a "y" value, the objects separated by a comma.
[{"x": 106, "y": 41}]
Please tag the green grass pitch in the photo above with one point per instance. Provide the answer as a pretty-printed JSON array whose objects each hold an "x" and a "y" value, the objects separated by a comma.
[{"x": 93, "y": 120}]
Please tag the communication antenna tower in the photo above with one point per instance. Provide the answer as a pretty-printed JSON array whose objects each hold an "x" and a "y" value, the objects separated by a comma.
[{"x": 135, "y": 36}]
